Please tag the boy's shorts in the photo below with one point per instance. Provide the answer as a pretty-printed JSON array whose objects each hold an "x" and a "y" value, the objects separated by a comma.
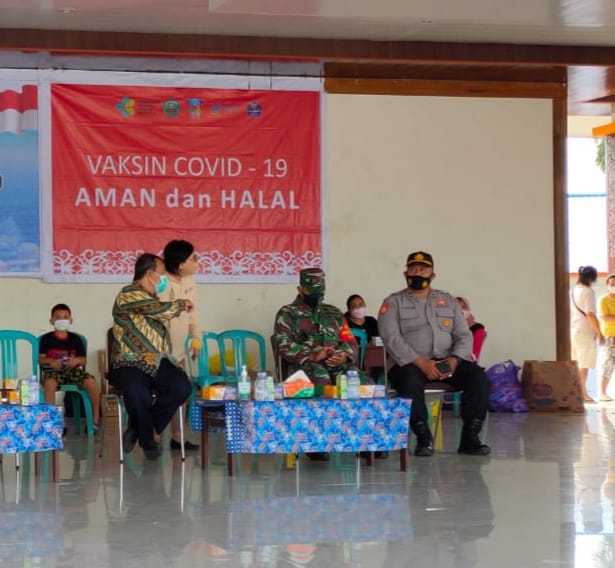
[{"x": 68, "y": 377}]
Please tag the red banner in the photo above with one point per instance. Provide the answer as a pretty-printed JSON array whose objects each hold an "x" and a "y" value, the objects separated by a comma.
[{"x": 235, "y": 172}]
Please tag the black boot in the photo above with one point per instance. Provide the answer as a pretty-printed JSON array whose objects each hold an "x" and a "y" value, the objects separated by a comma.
[
  {"x": 424, "y": 439},
  {"x": 470, "y": 442}
]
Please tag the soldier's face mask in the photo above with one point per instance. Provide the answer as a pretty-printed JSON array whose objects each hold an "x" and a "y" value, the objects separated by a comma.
[{"x": 313, "y": 299}]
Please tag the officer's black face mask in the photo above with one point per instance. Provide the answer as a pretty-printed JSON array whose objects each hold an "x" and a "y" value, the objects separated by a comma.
[
  {"x": 418, "y": 282},
  {"x": 313, "y": 299}
]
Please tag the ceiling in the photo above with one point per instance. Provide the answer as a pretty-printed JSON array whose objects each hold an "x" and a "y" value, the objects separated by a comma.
[{"x": 537, "y": 22}]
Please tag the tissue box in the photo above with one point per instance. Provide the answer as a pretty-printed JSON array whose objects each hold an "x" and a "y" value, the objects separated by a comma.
[
  {"x": 219, "y": 392},
  {"x": 298, "y": 385},
  {"x": 372, "y": 391},
  {"x": 10, "y": 384}
]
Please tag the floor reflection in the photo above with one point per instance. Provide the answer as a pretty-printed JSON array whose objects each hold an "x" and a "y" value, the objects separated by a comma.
[{"x": 545, "y": 497}]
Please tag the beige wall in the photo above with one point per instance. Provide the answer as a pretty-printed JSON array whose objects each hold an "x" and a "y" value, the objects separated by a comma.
[{"x": 469, "y": 180}]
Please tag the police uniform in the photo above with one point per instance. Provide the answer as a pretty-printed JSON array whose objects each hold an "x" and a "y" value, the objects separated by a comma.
[
  {"x": 432, "y": 327},
  {"x": 300, "y": 329}
]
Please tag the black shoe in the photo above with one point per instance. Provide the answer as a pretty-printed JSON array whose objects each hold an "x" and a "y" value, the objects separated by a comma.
[
  {"x": 470, "y": 443},
  {"x": 175, "y": 445},
  {"x": 319, "y": 456},
  {"x": 423, "y": 451},
  {"x": 152, "y": 452},
  {"x": 129, "y": 439},
  {"x": 424, "y": 440},
  {"x": 473, "y": 447},
  {"x": 381, "y": 455}
]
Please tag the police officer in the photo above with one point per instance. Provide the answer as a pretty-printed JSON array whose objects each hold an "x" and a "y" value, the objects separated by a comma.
[
  {"x": 428, "y": 339},
  {"x": 313, "y": 336}
]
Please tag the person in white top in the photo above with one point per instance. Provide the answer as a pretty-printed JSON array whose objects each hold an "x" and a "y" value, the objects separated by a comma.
[
  {"x": 181, "y": 264},
  {"x": 584, "y": 325}
]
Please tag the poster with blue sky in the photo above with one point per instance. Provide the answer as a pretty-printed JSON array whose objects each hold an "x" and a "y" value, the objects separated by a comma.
[{"x": 19, "y": 179}]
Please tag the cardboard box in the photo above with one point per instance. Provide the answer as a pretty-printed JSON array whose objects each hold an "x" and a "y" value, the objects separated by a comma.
[
  {"x": 11, "y": 384},
  {"x": 372, "y": 391},
  {"x": 219, "y": 392}
]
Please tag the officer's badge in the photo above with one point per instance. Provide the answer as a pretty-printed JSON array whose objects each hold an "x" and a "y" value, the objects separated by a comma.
[{"x": 446, "y": 322}]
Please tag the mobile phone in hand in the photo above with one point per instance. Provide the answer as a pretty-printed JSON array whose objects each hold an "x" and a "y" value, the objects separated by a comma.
[{"x": 444, "y": 366}]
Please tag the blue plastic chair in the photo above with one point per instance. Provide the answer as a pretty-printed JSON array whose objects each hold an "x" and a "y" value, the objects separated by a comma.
[
  {"x": 239, "y": 341},
  {"x": 361, "y": 336},
  {"x": 200, "y": 369},
  {"x": 75, "y": 393},
  {"x": 10, "y": 344}
]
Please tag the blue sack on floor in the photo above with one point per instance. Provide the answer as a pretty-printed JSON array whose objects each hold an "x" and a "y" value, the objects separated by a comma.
[{"x": 506, "y": 394}]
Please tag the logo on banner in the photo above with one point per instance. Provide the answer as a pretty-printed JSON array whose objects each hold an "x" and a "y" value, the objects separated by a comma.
[
  {"x": 222, "y": 108},
  {"x": 254, "y": 109},
  {"x": 194, "y": 108},
  {"x": 126, "y": 106},
  {"x": 131, "y": 107},
  {"x": 171, "y": 108}
]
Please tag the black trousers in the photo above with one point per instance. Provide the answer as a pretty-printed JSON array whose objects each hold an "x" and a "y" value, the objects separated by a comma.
[
  {"x": 171, "y": 386},
  {"x": 409, "y": 382}
]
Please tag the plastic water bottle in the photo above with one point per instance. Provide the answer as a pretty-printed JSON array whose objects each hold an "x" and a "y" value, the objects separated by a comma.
[
  {"x": 354, "y": 385},
  {"x": 243, "y": 385},
  {"x": 33, "y": 389},
  {"x": 270, "y": 388},
  {"x": 260, "y": 386}
]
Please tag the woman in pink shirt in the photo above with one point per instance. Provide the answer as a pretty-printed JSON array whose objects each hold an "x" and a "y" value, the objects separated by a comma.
[{"x": 477, "y": 329}]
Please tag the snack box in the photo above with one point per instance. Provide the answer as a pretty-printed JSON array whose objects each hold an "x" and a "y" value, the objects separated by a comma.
[
  {"x": 219, "y": 392},
  {"x": 14, "y": 397},
  {"x": 278, "y": 392},
  {"x": 11, "y": 384},
  {"x": 372, "y": 391},
  {"x": 330, "y": 391}
]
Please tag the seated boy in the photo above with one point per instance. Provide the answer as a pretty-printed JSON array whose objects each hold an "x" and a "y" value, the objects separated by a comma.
[{"x": 62, "y": 358}]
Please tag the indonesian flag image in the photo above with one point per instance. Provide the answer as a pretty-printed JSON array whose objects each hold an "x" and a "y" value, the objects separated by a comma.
[
  {"x": 345, "y": 335},
  {"x": 18, "y": 108}
]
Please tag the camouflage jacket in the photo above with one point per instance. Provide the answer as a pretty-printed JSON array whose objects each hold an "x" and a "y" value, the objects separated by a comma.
[{"x": 298, "y": 330}]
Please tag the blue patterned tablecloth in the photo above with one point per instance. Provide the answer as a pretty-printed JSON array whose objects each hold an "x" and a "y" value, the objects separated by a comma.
[
  {"x": 316, "y": 425},
  {"x": 25, "y": 429}
]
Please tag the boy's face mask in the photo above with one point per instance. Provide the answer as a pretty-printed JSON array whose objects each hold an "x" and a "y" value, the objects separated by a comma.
[{"x": 61, "y": 324}]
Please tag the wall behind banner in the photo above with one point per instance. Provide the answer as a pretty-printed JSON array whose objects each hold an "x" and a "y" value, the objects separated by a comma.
[{"x": 469, "y": 180}]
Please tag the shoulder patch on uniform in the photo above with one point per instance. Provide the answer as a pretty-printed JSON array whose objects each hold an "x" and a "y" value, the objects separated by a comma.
[{"x": 384, "y": 308}]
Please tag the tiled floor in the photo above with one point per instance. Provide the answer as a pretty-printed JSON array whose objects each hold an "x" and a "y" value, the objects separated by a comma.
[{"x": 544, "y": 498}]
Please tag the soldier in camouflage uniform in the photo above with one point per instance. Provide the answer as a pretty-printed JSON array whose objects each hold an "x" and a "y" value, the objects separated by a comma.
[{"x": 313, "y": 336}]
